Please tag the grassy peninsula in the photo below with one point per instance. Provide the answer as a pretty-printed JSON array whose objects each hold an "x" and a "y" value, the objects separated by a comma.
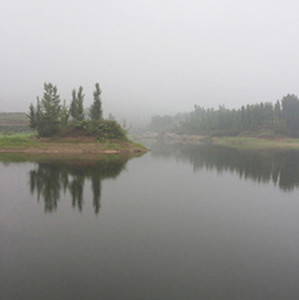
[
  {"x": 67, "y": 130},
  {"x": 30, "y": 144}
]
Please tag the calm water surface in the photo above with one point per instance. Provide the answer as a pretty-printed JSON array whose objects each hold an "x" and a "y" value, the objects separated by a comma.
[{"x": 181, "y": 222}]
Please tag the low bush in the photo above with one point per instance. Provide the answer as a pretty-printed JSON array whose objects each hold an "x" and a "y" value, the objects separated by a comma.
[
  {"x": 111, "y": 129},
  {"x": 104, "y": 129}
]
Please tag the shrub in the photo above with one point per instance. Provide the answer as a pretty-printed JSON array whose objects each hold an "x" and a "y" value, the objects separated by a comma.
[{"x": 111, "y": 129}]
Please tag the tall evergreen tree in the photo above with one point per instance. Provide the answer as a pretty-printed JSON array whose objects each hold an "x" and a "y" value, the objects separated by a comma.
[
  {"x": 38, "y": 113},
  {"x": 96, "y": 112},
  {"x": 290, "y": 109},
  {"x": 80, "y": 108},
  {"x": 74, "y": 105},
  {"x": 32, "y": 117},
  {"x": 50, "y": 117},
  {"x": 76, "y": 108},
  {"x": 64, "y": 116},
  {"x": 277, "y": 110},
  {"x": 49, "y": 112}
]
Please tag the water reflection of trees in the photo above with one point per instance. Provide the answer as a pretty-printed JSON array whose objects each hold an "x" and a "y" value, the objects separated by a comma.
[
  {"x": 49, "y": 179},
  {"x": 279, "y": 167}
]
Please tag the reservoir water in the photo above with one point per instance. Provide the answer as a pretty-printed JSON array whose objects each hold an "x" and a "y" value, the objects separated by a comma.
[{"x": 180, "y": 222}]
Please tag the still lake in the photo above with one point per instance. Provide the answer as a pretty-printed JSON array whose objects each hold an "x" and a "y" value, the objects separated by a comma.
[{"x": 180, "y": 222}]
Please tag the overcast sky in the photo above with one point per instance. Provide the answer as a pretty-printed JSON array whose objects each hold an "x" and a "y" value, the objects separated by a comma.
[{"x": 150, "y": 56}]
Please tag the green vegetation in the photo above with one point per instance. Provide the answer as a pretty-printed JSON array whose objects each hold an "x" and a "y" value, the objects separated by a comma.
[
  {"x": 96, "y": 112},
  {"x": 281, "y": 119},
  {"x": 25, "y": 143},
  {"x": 50, "y": 118},
  {"x": 18, "y": 141},
  {"x": 76, "y": 110}
]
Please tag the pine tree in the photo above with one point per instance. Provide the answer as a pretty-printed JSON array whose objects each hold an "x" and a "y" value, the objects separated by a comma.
[
  {"x": 290, "y": 110},
  {"x": 49, "y": 111},
  {"x": 96, "y": 112},
  {"x": 76, "y": 108},
  {"x": 64, "y": 116},
  {"x": 32, "y": 117},
  {"x": 80, "y": 108},
  {"x": 277, "y": 110},
  {"x": 38, "y": 113}
]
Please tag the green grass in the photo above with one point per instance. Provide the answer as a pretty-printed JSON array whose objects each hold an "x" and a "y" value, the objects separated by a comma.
[
  {"x": 109, "y": 145},
  {"x": 17, "y": 141},
  {"x": 256, "y": 143},
  {"x": 140, "y": 146},
  {"x": 24, "y": 141}
]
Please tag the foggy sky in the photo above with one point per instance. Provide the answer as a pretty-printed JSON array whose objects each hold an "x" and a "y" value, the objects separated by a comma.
[{"x": 149, "y": 56}]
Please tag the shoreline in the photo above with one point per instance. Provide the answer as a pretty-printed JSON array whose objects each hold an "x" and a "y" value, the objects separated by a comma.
[
  {"x": 73, "y": 146},
  {"x": 240, "y": 142},
  {"x": 257, "y": 143}
]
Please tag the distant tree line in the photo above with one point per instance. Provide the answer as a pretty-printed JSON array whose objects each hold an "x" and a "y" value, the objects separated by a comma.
[
  {"x": 281, "y": 118},
  {"x": 51, "y": 117}
]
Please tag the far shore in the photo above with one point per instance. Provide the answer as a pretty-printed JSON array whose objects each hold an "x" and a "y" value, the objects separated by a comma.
[
  {"x": 258, "y": 143},
  {"x": 241, "y": 142}
]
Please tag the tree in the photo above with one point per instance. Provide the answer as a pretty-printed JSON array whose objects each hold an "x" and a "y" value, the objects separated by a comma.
[
  {"x": 74, "y": 105},
  {"x": 64, "y": 116},
  {"x": 277, "y": 111},
  {"x": 80, "y": 108},
  {"x": 290, "y": 110},
  {"x": 96, "y": 112},
  {"x": 38, "y": 113},
  {"x": 76, "y": 108},
  {"x": 51, "y": 118},
  {"x": 111, "y": 117},
  {"x": 32, "y": 117},
  {"x": 49, "y": 111}
]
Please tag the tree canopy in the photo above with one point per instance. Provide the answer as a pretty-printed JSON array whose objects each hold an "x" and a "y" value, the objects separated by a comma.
[
  {"x": 49, "y": 117},
  {"x": 46, "y": 117},
  {"x": 281, "y": 118},
  {"x": 76, "y": 107}
]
